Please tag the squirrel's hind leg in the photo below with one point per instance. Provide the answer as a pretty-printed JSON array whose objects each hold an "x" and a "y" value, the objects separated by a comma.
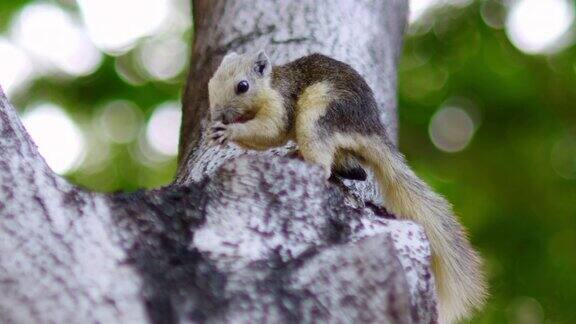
[
  {"x": 319, "y": 152},
  {"x": 347, "y": 166},
  {"x": 314, "y": 145}
]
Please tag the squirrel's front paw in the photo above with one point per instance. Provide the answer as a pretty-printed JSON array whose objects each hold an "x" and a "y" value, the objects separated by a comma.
[{"x": 219, "y": 134}]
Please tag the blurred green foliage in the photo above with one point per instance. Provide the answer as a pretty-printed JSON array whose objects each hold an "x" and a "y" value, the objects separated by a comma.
[
  {"x": 517, "y": 202},
  {"x": 520, "y": 211},
  {"x": 83, "y": 98}
]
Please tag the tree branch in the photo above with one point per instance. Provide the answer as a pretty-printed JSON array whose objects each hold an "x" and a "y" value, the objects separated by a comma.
[{"x": 240, "y": 236}]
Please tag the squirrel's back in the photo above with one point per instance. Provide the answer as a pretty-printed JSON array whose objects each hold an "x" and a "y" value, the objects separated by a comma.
[{"x": 353, "y": 107}]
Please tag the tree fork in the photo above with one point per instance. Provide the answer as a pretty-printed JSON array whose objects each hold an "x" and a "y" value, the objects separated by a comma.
[{"x": 239, "y": 236}]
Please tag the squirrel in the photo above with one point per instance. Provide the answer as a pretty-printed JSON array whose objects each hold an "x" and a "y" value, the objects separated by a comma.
[{"x": 329, "y": 110}]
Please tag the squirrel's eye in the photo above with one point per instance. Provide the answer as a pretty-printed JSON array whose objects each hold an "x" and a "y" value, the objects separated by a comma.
[{"x": 242, "y": 87}]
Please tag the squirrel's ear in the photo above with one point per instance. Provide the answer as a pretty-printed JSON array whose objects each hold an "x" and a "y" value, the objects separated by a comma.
[
  {"x": 229, "y": 56},
  {"x": 262, "y": 64}
]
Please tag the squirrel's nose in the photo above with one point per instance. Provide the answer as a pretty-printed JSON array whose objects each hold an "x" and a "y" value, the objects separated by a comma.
[
  {"x": 215, "y": 116},
  {"x": 227, "y": 115}
]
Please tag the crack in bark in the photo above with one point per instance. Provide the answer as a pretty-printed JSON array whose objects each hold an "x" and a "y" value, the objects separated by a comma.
[
  {"x": 292, "y": 40},
  {"x": 243, "y": 39}
]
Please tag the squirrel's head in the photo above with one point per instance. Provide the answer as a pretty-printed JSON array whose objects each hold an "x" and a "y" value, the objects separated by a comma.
[{"x": 236, "y": 85}]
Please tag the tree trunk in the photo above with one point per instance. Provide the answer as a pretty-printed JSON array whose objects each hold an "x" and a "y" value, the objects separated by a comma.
[{"x": 239, "y": 236}]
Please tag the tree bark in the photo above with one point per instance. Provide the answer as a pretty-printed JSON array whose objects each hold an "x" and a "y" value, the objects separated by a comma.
[{"x": 239, "y": 236}]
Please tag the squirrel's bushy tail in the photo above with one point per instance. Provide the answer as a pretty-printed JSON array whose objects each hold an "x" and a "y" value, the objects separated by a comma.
[{"x": 456, "y": 265}]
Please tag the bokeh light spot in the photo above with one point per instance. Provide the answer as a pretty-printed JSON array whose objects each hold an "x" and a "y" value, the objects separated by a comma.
[
  {"x": 58, "y": 138},
  {"x": 419, "y": 8},
  {"x": 525, "y": 310},
  {"x": 493, "y": 13},
  {"x": 164, "y": 129},
  {"x": 52, "y": 37},
  {"x": 451, "y": 129},
  {"x": 15, "y": 67},
  {"x": 540, "y": 26},
  {"x": 120, "y": 120},
  {"x": 164, "y": 58},
  {"x": 563, "y": 157},
  {"x": 115, "y": 26}
]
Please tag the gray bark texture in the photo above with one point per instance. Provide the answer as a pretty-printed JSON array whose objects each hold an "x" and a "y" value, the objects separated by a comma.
[{"x": 239, "y": 237}]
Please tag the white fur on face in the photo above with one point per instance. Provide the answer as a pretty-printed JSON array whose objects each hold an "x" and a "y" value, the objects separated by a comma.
[{"x": 222, "y": 86}]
